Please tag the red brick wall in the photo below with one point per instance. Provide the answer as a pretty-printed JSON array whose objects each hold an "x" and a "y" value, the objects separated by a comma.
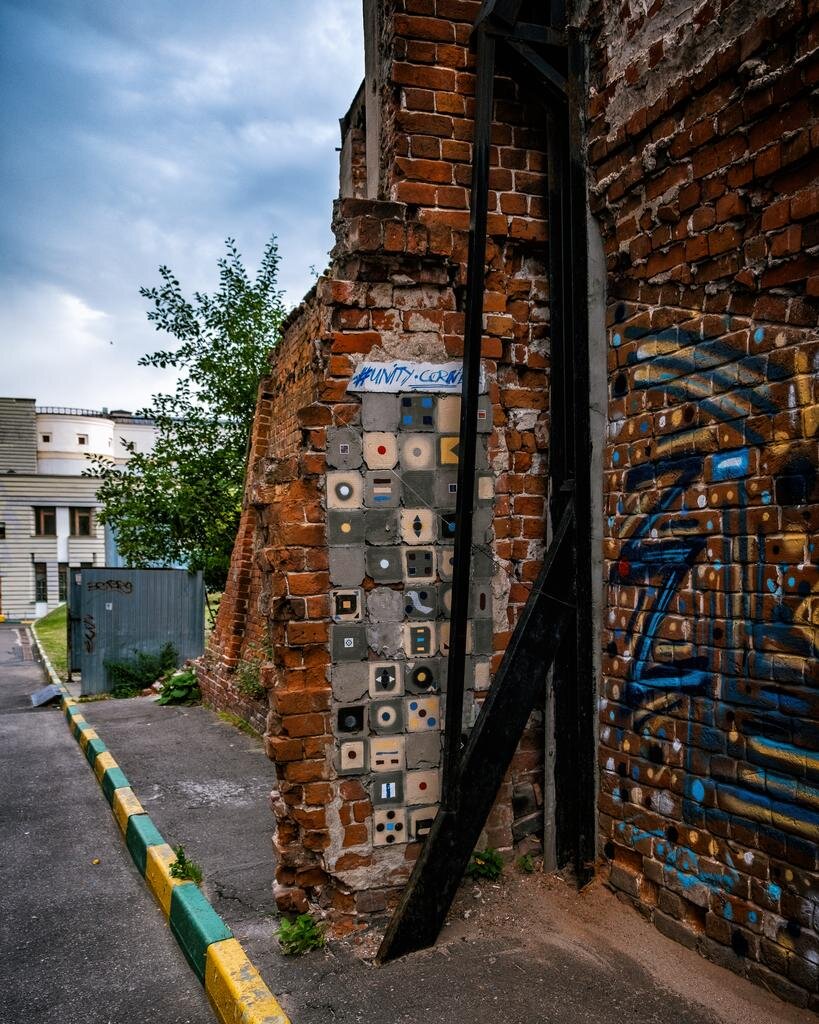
[
  {"x": 395, "y": 289},
  {"x": 705, "y": 187}
]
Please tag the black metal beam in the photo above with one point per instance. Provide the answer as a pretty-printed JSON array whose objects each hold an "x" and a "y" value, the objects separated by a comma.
[
  {"x": 465, "y": 498},
  {"x": 517, "y": 689},
  {"x": 552, "y": 79}
]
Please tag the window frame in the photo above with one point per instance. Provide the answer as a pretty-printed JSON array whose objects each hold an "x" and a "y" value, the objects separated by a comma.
[
  {"x": 82, "y": 439},
  {"x": 40, "y": 514},
  {"x": 40, "y": 582},
  {"x": 74, "y": 513}
]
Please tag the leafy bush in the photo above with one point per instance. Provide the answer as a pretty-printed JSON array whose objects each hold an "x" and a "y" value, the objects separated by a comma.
[
  {"x": 183, "y": 868},
  {"x": 525, "y": 864},
  {"x": 130, "y": 677},
  {"x": 180, "y": 687},
  {"x": 300, "y": 936},
  {"x": 248, "y": 678},
  {"x": 485, "y": 864}
]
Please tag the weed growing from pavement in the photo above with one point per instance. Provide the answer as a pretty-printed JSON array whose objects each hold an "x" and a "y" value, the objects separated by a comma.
[
  {"x": 180, "y": 688},
  {"x": 300, "y": 936},
  {"x": 486, "y": 863},
  {"x": 185, "y": 869},
  {"x": 525, "y": 864}
]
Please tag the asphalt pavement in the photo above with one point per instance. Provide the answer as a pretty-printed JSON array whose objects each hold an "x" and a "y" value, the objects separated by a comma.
[
  {"x": 528, "y": 950},
  {"x": 80, "y": 942}
]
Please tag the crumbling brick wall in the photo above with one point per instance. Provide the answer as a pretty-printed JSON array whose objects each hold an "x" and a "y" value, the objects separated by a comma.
[
  {"x": 395, "y": 290},
  {"x": 703, "y": 151}
]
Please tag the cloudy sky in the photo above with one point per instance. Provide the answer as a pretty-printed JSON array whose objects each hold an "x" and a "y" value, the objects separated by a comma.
[{"x": 146, "y": 132}]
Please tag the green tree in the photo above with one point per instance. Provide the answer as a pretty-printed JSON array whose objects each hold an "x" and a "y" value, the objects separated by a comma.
[{"x": 181, "y": 502}]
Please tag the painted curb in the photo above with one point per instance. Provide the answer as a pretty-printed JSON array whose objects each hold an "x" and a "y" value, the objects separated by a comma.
[{"x": 234, "y": 987}]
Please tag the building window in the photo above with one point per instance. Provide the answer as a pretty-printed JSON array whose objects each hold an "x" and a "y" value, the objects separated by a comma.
[
  {"x": 62, "y": 581},
  {"x": 2, "y": 531},
  {"x": 40, "y": 582},
  {"x": 45, "y": 521},
  {"x": 46, "y": 438},
  {"x": 82, "y": 438},
  {"x": 80, "y": 519}
]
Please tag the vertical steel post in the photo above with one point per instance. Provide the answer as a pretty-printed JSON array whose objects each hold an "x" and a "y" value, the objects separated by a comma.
[{"x": 465, "y": 498}]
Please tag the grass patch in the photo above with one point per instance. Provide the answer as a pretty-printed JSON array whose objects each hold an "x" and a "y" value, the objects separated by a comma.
[
  {"x": 238, "y": 723},
  {"x": 184, "y": 869},
  {"x": 52, "y": 633},
  {"x": 300, "y": 936}
]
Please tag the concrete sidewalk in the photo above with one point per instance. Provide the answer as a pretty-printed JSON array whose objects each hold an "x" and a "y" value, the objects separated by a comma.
[
  {"x": 527, "y": 950},
  {"x": 80, "y": 943}
]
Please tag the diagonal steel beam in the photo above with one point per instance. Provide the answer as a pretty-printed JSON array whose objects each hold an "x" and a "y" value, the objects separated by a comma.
[{"x": 518, "y": 688}]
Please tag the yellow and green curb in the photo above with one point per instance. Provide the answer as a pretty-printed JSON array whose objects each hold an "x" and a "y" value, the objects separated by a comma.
[{"x": 234, "y": 987}]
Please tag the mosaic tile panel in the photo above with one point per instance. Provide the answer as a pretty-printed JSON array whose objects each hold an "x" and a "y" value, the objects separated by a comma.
[{"x": 391, "y": 492}]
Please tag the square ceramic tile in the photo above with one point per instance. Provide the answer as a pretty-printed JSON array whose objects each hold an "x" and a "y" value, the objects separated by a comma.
[
  {"x": 385, "y": 605},
  {"x": 349, "y": 679},
  {"x": 484, "y": 415},
  {"x": 417, "y": 451},
  {"x": 387, "y": 789},
  {"x": 446, "y": 526},
  {"x": 423, "y": 714},
  {"x": 345, "y": 489},
  {"x": 381, "y": 526},
  {"x": 386, "y": 753},
  {"x": 443, "y": 637},
  {"x": 417, "y": 412},
  {"x": 423, "y": 749},
  {"x": 446, "y": 488},
  {"x": 348, "y": 642},
  {"x": 418, "y": 526},
  {"x": 346, "y": 566},
  {"x": 352, "y": 757},
  {"x": 347, "y": 605},
  {"x": 343, "y": 447},
  {"x": 480, "y": 604},
  {"x": 379, "y": 412},
  {"x": 419, "y": 639},
  {"x": 423, "y": 787},
  {"x": 483, "y": 563},
  {"x": 419, "y": 487},
  {"x": 448, "y": 450},
  {"x": 425, "y": 676},
  {"x": 387, "y": 717},
  {"x": 445, "y": 599},
  {"x": 448, "y": 414},
  {"x": 485, "y": 489},
  {"x": 350, "y": 721},
  {"x": 482, "y": 677},
  {"x": 483, "y": 636},
  {"x": 345, "y": 527},
  {"x": 385, "y": 679},
  {"x": 420, "y": 602},
  {"x": 389, "y": 826},
  {"x": 419, "y": 564},
  {"x": 482, "y": 529},
  {"x": 380, "y": 450},
  {"x": 421, "y": 820},
  {"x": 384, "y": 564},
  {"x": 446, "y": 562},
  {"x": 382, "y": 489}
]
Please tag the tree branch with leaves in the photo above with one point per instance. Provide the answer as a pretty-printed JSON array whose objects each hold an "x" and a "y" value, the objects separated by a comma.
[{"x": 181, "y": 502}]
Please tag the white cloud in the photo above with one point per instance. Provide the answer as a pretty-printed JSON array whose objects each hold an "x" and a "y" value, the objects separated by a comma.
[{"x": 146, "y": 134}]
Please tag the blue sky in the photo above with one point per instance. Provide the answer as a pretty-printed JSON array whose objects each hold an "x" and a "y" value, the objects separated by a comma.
[{"x": 135, "y": 134}]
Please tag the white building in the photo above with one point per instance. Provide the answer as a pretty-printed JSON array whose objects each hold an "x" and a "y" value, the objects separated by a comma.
[{"x": 48, "y": 510}]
